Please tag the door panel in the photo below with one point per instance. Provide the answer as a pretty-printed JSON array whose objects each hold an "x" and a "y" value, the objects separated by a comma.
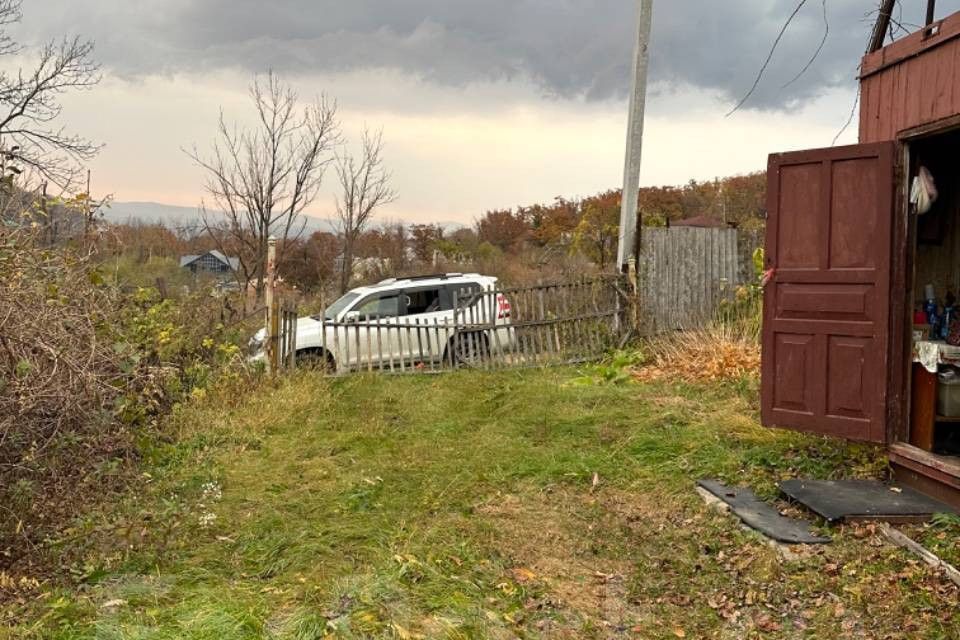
[
  {"x": 826, "y": 335},
  {"x": 794, "y": 364}
]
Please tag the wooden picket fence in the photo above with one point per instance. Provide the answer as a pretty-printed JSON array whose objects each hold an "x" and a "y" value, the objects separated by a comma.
[
  {"x": 686, "y": 273},
  {"x": 486, "y": 329}
]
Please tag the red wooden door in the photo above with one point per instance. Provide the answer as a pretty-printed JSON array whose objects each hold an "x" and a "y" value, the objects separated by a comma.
[{"x": 826, "y": 336}]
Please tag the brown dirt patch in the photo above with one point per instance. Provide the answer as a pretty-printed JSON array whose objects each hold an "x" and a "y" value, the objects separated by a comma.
[{"x": 565, "y": 545}]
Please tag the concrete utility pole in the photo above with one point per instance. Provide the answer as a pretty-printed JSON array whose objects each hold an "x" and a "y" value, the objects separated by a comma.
[{"x": 629, "y": 242}]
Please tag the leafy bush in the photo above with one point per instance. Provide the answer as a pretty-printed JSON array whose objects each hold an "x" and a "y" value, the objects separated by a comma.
[
  {"x": 615, "y": 369},
  {"x": 85, "y": 367},
  {"x": 742, "y": 314}
]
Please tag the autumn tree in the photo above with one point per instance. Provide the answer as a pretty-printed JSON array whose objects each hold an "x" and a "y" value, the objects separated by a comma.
[
  {"x": 660, "y": 205},
  {"x": 597, "y": 233},
  {"x": 396, "y": 245},
  {"x": 261, "y": 179},
  {"x": 308, "y": 263},
  {"x": 364, "y": 188},
  {"x": 740, "y": 200},
  {"x": 145, "y": 240},
  {"x": 554, "y": 224},
  {"x": 387, "y": 243},
  {"x": 503, "y": 229},
  {"x": 424, "y": 239},
  {"x": 744, "y": 200}
]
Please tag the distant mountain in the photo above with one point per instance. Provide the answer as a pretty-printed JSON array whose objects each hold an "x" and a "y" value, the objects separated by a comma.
[{"x": 175, "y": 216}]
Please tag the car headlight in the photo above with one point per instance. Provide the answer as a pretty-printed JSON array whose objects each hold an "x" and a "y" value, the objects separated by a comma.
[{"x": 255, "y": 345}]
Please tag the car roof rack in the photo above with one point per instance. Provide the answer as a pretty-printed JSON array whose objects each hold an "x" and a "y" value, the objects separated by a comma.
[
  {"x": 433, "y": 276},
  {"x": 428, "y": 276}
]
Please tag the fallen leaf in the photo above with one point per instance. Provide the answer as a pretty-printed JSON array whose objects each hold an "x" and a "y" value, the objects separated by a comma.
[
  {"x": 766, "y": 623},
  {"x": 522, "y": 575}
]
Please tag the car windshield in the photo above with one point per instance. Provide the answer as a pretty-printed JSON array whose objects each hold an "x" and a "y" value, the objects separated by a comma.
[{"x": 337, "y": 307}]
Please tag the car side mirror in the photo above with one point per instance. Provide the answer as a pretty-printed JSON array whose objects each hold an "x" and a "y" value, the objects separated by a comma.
[{"x": 351, "y": 317}]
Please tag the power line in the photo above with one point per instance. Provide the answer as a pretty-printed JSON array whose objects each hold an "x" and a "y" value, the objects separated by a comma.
[
  {"x": 816, "y": 54},
  {"x": 766, "y": 63}
]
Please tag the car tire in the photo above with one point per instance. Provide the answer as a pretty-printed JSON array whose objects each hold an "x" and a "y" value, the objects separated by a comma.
[
  {"x": 316, "y": 360},
  {"x": 467, "y": 350}
]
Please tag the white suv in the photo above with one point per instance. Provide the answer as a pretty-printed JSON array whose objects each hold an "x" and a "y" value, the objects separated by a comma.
[{"x": 406, "y": 322}]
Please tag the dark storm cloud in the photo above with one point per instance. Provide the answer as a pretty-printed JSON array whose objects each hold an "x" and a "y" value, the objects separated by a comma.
[{"x": 567, "y": 47}]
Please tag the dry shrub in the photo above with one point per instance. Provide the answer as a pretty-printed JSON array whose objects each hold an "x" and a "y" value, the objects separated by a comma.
[
  {"x": 84, "y": 368},
  {"x": 709, "y": 355},
  {"x": 60, "y": 378}
]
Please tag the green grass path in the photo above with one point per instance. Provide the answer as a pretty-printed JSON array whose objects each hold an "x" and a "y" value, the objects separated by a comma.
[{"x": 471, "y": 505}]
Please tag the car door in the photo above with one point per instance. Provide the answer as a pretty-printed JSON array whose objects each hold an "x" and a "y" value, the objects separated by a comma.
[
  {"x": 428, "y": 311},
  {"x": 371, "y": 341},
  {"x": 826, "y": 337},
  {"x": 470, "y": 309}
]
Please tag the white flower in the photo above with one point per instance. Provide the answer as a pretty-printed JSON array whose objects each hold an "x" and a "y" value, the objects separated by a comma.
[{"x": 212, "y": 491}]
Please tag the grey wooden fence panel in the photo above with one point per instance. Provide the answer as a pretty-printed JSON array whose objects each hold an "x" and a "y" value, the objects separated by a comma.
[{"x": 685, "y": 274}]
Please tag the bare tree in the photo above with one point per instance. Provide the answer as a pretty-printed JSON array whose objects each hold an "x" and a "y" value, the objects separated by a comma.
[
  {"x": 261, "y": 179},
  {"x": 30, "y": 104},
  {"x": 365, "y": 187}
]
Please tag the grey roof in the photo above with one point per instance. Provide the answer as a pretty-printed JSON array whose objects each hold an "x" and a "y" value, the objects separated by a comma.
[{"x": 233, "y": 263}]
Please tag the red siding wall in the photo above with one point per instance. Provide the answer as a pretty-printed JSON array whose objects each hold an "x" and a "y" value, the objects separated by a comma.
[{"x": 913, "y": 81}]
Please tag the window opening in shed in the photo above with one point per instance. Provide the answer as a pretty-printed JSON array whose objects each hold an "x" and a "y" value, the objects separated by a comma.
[{"x": 934, "y": 373}]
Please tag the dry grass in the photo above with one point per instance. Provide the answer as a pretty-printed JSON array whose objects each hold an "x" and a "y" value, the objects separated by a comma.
[{"x": 711, "y": 355}]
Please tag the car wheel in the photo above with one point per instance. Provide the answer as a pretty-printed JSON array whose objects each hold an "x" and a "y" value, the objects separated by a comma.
[
  {"x": 468, "y": 350},
  {"x": 316, "y": 360}
]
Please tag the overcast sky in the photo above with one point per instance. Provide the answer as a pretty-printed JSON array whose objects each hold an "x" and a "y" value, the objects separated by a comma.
[{"x": 484, "y": 103}]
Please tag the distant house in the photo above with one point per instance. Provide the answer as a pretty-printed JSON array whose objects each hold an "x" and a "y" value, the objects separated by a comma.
[{"x": 211, "y": 262}]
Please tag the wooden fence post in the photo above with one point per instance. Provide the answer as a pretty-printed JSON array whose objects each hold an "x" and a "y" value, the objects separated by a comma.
[
  {"x": 292, "y": 343},
  {"x": 273, "y": 316}
]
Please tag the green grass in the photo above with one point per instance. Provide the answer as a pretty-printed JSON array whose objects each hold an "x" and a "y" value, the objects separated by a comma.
[
  {"x": 471, "y": 505},
  {"x": 941, "y": 536}
]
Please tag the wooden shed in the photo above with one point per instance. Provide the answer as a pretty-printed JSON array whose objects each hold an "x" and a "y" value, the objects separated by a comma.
[{"x": 847, "y": 348}]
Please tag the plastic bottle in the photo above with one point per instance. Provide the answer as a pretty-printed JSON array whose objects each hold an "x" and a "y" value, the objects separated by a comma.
[{"x": 930, "y": 307}]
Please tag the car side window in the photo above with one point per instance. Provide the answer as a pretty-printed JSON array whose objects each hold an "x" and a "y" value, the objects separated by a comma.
[
  {"x": 466, "y": 294},
  {"x": 424, "y": 301},
  {"x": 386, "y": 306}
]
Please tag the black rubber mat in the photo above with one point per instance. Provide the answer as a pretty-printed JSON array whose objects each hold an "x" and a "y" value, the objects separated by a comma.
[
  {"x": 759, "y": 515},
  {"x": 837, "y": 500}
]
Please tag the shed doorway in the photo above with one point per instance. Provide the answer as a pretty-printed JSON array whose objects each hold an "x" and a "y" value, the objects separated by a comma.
[{"x": 929, "y": 442}]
